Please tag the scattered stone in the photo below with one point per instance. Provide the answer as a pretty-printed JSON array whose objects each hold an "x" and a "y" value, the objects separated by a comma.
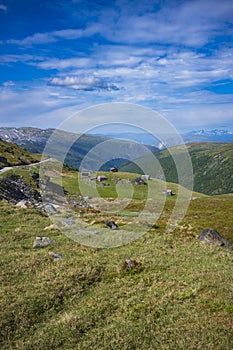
[
  {"x": 22, "y": 204},
  {"x": 51, "y": 227},
  {"x": 41, "y": 242},
  {"x": 168, "y": 192},
  {"x": 213, "y": 237},
  {"x": 50, "y": 208},
  {"x": 82, "y": 202},
  {"x": 129, "y": 264},
  {"x": 68, "y": 223},
  {"x": 112, "y": 225},
  {"x": 55, "y": 256}
]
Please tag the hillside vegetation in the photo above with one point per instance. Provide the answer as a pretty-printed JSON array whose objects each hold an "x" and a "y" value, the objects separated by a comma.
[
  {"x": 212, "y": 167},
  {"x": 13, "y": 155},
  {"x": 180, "y": 296}
]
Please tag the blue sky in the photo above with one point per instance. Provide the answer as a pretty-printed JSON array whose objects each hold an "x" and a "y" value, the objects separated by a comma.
[{"x": 60, "y": 56}]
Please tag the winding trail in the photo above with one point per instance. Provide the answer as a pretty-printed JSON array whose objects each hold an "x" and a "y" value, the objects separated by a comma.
[{"x": 7, "y": 168}]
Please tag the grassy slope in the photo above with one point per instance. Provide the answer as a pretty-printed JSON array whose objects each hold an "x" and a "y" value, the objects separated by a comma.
[
  {"x": 181, "y": 297},
  {"x": 12, "y": 155},
  {"x": 212, "y": 167}
]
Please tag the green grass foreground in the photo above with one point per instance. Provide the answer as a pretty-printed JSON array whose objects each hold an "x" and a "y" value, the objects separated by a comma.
[{"x": 179, "y": 298}]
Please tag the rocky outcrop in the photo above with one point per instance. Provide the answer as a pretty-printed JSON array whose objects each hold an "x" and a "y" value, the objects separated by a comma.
[{"x": 14, "y": 189}]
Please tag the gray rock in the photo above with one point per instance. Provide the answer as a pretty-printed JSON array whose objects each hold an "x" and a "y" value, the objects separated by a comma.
[
  {"x": 14, "y": 189},
  {"x": 213, "y": 237},
  {"x": 41, "y": 242},
  {"x": 50, "y": 209},
  {"x": 55, "y": 256},
  {"x": 82, "y": 202},
  {"x": 112, "y": 225},
  {"x": 68, "y": 223}
]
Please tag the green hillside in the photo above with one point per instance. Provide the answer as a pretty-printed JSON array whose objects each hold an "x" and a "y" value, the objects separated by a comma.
[
  {"x": 180, "y": 296},
  {"x": 212, "y": 166},
  {"x": 13, "y": 155}
]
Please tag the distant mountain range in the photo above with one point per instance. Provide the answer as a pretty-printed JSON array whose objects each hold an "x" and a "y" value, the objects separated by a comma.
[
  {"x": 78, "y": 146},
  {"x": 216, "y": 135},
  {"x": 35, "y": 139},
  {"x": 212, "y": 161}
]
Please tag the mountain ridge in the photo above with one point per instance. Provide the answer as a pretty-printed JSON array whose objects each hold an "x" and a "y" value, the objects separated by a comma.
[
  {"x": 78, "y": 145},
  {"x": 212, "y": 167}
]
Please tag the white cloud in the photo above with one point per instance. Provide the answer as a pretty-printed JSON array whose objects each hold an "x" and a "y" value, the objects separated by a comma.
[
  {"x": 50, "y": 37},
  {"x": 86, "y": 83},
  {"x": 12, "y": 58},
  {"x": 8, "y": 83},
  {"x": 48, "y": 106},
  {"x": 190, "y": 23},
  {"x": 63, "y": 64},
  {"x": 158, "y": 58},
  {"x": 3, "y": 7}
]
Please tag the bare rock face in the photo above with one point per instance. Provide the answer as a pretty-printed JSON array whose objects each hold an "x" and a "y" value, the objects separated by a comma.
[
  {"x": 13, "y": 189},
  {"x": 213, "y": 237}
]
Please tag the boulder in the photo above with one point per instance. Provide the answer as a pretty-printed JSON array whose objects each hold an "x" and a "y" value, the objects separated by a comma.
[
  {"x": 213, "y": 237},
  {"x": 41, "y": 242},
  {"x": 112, "y": 225}
]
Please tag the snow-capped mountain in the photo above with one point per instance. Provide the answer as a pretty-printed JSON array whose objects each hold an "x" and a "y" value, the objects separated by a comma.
[{"x": 215, "y": 135}]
